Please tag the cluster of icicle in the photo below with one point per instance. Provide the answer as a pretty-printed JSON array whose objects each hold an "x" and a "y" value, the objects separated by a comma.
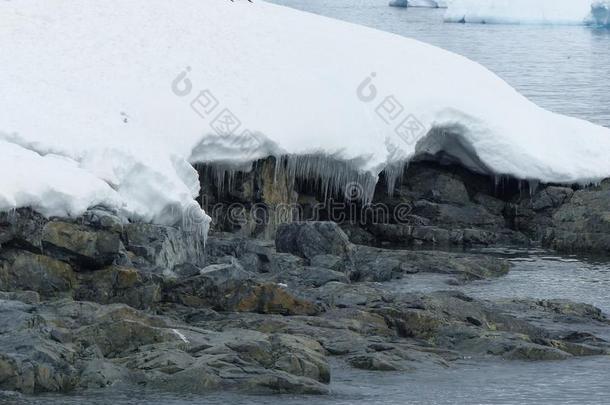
[{"x": 331, "y": 177}]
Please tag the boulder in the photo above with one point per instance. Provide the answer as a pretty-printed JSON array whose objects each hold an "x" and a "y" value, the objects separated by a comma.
[
  {"x": 164, "y": 246},
  {"x": 21, "y": 270},
  {"x": 119, "y": 284},
  {"x": 22, "y": 227},
  {"x": 83, "y": 246},
  {"x": 310, "y": 239},
  {"x": 582, "y": 224}
]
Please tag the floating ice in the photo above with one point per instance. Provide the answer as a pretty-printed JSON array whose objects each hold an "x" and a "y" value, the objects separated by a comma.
[
  {"x": 565, "y": 12},
  {"x": 419, "y": 3}
]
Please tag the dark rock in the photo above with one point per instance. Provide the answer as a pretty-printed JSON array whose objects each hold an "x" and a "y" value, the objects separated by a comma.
[
  {"x": 582, "y": 224},
  {"x": 117, "y": 284},
  {"x": 375, "y": 361},
  {"x": 21, "y": 270},
  {"x": 310, "y": 276},
  {"x": 22, "y": 227},
  {"x": 310, "y": 239},
  {"x": 331, "y": 262},
  {"x": 228, "y": 287},
  {"x": 81, "y": 245},
  {"x": 163, "y": 246},
  {"x": 438, "y": 186}
]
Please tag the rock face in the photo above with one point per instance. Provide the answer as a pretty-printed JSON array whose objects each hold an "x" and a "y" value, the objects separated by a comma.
[
  {"x": 94, "y": 302},
  {"x": 582, "y": 222},
  {"x": 432, "y": 205},
  {"x": 311, "y": 239}
]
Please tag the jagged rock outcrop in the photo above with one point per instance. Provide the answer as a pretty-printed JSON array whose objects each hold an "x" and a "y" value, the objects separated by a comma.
[
  {"x": 582, "y": 222},
  {"x": 95, "y": 301},
  {"x": 432, "y": 205}
]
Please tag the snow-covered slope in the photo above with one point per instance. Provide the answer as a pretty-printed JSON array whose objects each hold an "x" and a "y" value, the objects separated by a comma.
[
  {"x": 103, "y": 102},
  {"x": 571, "y": 12}
]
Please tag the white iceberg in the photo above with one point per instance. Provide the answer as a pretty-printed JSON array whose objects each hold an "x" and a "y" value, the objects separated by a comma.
[
  {"x": 419, "y": 3},
  {"x": 105, "y": 102},
  {"x": 558, "y": 12}
]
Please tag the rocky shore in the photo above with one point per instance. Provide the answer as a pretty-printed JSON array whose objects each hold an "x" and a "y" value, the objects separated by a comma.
[{"x": 94, "y": 301}]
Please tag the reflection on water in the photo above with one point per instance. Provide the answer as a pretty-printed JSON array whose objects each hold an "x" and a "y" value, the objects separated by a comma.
[
  {"x": 534, "y": 274},
  {"x": 561, "y": 68}
]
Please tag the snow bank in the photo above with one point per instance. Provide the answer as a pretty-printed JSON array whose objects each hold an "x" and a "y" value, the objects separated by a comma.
[
  {"x": 565, "y": 12},
  {"x": 106, "y": 102}
]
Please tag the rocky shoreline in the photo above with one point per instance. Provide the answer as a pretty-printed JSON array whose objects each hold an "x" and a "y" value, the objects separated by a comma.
[{"x": 93, "y": 302}]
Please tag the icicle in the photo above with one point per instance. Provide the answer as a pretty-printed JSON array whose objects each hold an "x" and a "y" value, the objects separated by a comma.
[
  {"x": 195, "y": 221},
  {"x": 330, "y": 176},
  {"x": 533, "y": 185},
  {"x": 393, "y": 174},
  {"x": 496, "y": 183}
]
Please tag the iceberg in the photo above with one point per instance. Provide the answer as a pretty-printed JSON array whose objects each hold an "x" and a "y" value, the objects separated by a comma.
[
  {"x": 111, "y": 103},
  {"x": 558, "y": 12},
  {"x": 600, "y": 12},
  {"x": 419, "y": 3}
]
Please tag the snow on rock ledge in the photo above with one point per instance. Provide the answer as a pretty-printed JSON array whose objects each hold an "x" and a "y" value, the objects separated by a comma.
[{"x": 105, "y": 103}]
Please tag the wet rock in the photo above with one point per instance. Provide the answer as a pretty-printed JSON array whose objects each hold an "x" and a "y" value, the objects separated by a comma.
[
  {"x": 21, "y": 270},
  {"x": 27, "y": 297},
  {"x": 331, "y": 262},
  {"x": 375, "y": 361},
  {"x": 358, "y": 235},
  {"x": 102, "y": 218},
  {"x": 118, "y": 284},
  {"x": 310, "y": 276},
  {"x": 81, "y": 245},
  {"x": 254, "y": 361},
  {"x": 492, "y": 204},
  {"x": 438, "y": 186},
  {"x": 22, "y": 227},
  {"x": 551, "y": 197},
  {"x": 228, "y": 287},
  {"x": 534, "y": 352},
  {"x": 274, "y": 299},
  {"x": 310, "y": 239},
  {"x": 451, "y": 216},
  {"x": 213, "y": 287},
  {"x": 99, "y": 373},
  {"x": 164, "y": 246},
  {"x": 343, "y": 295},
  {"x": 582, "y": 224},
  {"x": 30, "y": 362},
  {"x": 374, "y": 264}
]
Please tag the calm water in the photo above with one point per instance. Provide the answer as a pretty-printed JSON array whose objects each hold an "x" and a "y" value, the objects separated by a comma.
[
  {"x": 534, "y": 273},
  {"x": 564, "y": 69},
  {"x": 576, "y": 381}
]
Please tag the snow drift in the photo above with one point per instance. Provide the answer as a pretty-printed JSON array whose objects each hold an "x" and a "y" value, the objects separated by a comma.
[
  {"x": 106, "y": 103},
  {"x": 564, "y": 12}
]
